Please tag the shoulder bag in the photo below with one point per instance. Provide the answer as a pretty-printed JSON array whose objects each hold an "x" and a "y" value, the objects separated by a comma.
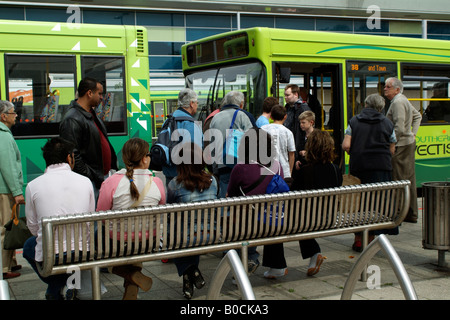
[{"x": 16, "y": 231}]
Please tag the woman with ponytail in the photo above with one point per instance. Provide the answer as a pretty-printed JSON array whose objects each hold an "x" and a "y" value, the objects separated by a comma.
[{"x": 133, "y": 186}]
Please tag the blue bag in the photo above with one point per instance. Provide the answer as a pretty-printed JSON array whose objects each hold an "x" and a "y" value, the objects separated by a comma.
[
  {"x": 231, "y": 145},
  {"x": 276, "y": 185}
]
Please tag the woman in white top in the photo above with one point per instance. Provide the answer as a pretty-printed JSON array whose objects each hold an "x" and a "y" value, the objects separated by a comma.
[{"x": 121, "y": 191}]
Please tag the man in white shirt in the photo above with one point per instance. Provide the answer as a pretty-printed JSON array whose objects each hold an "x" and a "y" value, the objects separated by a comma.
[
  {"x": 59, "y": 191},
  {"x": 284, "y": 140}
]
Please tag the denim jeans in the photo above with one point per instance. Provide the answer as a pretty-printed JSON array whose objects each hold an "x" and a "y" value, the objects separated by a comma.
[{"x": 56, "y": 282}]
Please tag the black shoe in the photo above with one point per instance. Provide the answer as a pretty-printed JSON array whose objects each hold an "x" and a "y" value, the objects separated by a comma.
[
  {"x": 196, "y": 278},
  {"x": 51, "y": 297},
  {"x": 410, "y": 219},
  {"x": 188, "y": 287},
  {"x": 71, "y": 294}
]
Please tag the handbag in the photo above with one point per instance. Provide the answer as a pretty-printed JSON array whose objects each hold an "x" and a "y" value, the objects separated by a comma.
[
  {"x": 143, "y": 193},
  {"x": 350, "y": 201},
  {"x": 231, "y": 145},
  {"x": 16, "y": 231},
  {"x": 349, "y": 180}
]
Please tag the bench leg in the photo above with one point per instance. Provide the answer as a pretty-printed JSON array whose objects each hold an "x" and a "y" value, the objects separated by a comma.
[
  {"x": 96, "y": 289},
  {"x": 365, "y": 242},
  {"x": 244, "y": 256}
]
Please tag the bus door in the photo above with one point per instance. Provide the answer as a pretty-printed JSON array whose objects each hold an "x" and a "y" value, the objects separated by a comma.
[
  {"x": 158, "y": 116},
  {"x": 325, "y": 84}
]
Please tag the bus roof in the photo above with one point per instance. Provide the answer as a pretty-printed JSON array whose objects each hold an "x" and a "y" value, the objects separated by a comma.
[
  {"x": 26, "y": 36},
  {"x": 288, "y": 43}
]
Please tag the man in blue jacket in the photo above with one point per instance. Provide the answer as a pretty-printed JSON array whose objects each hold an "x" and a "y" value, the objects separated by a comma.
[{"x": 187, "y": 130}]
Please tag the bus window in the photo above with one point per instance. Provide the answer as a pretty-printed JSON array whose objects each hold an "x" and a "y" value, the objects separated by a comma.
[
  {"x": 215, "y": 84},
  {"x": 225, "y": 48},
  {"x": 363, "y": 79},
  {"x": 110, "y": 72},
  {"x": 427, "y": 87},
  {"x": 41, "y": 88},
  {"x": 158, "y": 115}
]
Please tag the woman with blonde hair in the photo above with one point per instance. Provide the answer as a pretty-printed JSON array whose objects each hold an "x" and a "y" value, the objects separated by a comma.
[{"x": 133, "y": 186}]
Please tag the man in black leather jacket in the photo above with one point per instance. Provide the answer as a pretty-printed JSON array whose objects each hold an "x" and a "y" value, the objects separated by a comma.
[{"x": 94, "y": 154}]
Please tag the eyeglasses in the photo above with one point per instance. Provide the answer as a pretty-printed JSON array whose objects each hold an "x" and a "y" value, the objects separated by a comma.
[
  {"x": 10, "y": 112},
  {"x": 148, "y": 154}
]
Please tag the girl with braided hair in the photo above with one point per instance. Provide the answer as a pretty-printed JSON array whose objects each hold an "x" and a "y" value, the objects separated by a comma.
[{"x": 133, "y": 186}]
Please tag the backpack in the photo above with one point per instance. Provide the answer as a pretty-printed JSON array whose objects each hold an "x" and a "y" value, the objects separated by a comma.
[
  {"x": 276, "y": 185},
  {"x": 161, "y": 150}
]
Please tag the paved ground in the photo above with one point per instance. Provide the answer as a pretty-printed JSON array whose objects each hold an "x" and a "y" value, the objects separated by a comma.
[{"x": 430, "y": 281}]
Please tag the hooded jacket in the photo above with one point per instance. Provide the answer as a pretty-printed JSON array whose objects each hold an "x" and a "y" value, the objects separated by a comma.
[{"x": 369, "y": 150}]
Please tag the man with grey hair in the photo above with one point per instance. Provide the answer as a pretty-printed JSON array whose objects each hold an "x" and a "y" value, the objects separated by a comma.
[
  {"x": 406, "y": 121},
  {"x": 11, "y": 182},
  {"x": 232, "y": 107},
  {"x": 187, "y": 129},
  {"x": 370, "y": 142},
  {"x": 232, "y": 103}
]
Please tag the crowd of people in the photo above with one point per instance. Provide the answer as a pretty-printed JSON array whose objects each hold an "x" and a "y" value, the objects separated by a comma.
[{"x": 81, "y": 169}]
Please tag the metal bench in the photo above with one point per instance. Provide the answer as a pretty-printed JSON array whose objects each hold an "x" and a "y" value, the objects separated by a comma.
[{"x": 168, "y": 231}]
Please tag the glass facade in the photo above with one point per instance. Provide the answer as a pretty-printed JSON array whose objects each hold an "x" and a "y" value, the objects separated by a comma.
[{"x": 168, "y": 31}]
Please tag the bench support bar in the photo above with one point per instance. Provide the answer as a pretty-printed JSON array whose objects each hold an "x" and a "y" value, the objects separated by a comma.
[
  {"x": 380, "y": 243},
  {"x": 230, "y": 261}
]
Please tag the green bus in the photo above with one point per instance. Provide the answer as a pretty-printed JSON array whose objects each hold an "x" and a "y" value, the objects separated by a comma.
[
  {"x": 41, "y": 64},
  {"x": 339, "y": 69}
]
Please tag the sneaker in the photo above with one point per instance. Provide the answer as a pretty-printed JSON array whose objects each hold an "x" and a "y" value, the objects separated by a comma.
[
  {"x": 188, "y": 287},
  {"x": 252, "y": 266},
  {"x": 196, "y": 278},
  {"x": 314, "y": 264},
  {"x": 273, "y": 273}
]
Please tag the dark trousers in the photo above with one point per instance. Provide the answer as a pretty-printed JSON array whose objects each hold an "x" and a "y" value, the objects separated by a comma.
[
  {"x": 56, "y": 282},
  {"x": 273, "y": 255}
]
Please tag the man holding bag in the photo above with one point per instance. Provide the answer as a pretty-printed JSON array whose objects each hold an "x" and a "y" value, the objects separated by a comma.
[{"x": 11, "y": 182}]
